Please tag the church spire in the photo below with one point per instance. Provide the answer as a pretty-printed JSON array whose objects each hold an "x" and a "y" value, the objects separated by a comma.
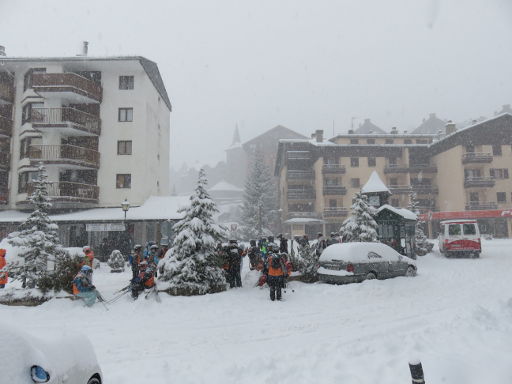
[{"x": 236, "y": 136}]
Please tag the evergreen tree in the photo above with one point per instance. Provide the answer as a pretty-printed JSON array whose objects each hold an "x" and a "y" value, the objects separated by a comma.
[
  {"x": 37, "y": 237},
  {"x": 309, "y": 262},
  {"x": 116, "y": 261},
  {"x": 361, "y": 225},
  {"x": 258, "y": 210},
  {"x": 191, "y": 266},
  {"x": 422, "y": 246}
]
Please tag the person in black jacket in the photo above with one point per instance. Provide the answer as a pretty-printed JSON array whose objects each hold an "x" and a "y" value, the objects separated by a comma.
[
  {"x": 283, "y": 244},
  {"x": 234, "y": 255}
]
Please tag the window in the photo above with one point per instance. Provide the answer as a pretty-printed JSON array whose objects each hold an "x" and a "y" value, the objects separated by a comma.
[
  {"x": 30, "y": 112},
  {"x": 372, "y": 162},
  {"x": 355, "y": 183},
  {"x": 24, "y": 179},
  {"x": 389, "y": 141},
  {"x": 407, "y": 141},
  {"x": 333, "y": 203},
  {"x": 420, "y": 141},
  {"x": 499, "y": 173},
  {"x": 125, "y": 82},
  {"x": 395, "y": 202},
  {"x": 474, "y": 198},
  {"x": 354, "y": 141},
  {"x": 123, "y": 181},
  {"x": 125, "y": 114},
  {"x": 27, "y": 79},
  {"x": 501, "y": 197},
  {"x": 469, "y": 229},
  {"x": 354, "y": 161},
  {"x": 124, "y": 147},
  {"x": 392, "y": 161},
  {"x": 25, "y": 146},
  {"x": 454, "y": 229},
  {"x": 393, "y": 181},
  {"x": 496, "y": 149},
  {"x": 332, "y": 181},
  {"x": 370, "y": 141}
]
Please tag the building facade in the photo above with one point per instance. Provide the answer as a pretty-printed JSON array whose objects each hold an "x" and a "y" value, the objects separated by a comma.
[
  {"x": 101, "y": 126},
  {"x": 457, "y": 173}
]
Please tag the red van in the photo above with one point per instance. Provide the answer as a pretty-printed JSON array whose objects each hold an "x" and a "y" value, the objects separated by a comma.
[{"x": 460, "y": 238}]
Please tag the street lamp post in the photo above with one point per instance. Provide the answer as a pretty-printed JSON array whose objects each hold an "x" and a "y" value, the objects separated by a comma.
[{"x": 125, "y": 205}]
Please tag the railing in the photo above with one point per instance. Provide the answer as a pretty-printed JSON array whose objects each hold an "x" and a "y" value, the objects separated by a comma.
[
  {"x": 334, "y": 190},
  {"x": 424, "y": 188},
  {"x": 474, "y": 206},
  {"x": 69, "y": 190},
  {"x": 298, "y": 155},
  {"x": 479, "y": 182},
  {"x": 335, "y": 212},
  {"x": 51, "y": 116},
  {"x": 299, "y": 214},
  {"x": 300, "y": 175},
  {"x": 65, "y": 153},
  {"x": 396, "y": 168},
  {"x": 62, "y": 80},
  {"x": 5, "y": 126},
  {"x": 298, "y": 194},
  {"x": 476, "y": 157},
  {"x": 333, "y": 168},
  {"x": 6, "y": 92}
]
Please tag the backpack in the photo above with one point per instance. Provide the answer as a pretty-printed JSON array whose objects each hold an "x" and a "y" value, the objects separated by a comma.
[{"x": 276, "y": 262}]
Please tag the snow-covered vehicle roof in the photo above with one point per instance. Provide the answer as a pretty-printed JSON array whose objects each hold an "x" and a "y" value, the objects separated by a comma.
[
  {"x": 62, "y": 355},
  {"x": 358, "y": 252}
]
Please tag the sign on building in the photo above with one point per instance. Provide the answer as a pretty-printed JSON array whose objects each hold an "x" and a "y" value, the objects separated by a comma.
[{"x": 105, "y": 227}]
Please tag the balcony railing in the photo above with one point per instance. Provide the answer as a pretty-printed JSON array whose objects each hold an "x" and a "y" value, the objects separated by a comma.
[
  {"x": 67, "y": 154},
  {"x": 298, "y": 155},
  {"x": 55, "y": 117},
  {"x": 424, "y": 188},
  {"x": 5, "y": 126},
  {"x": 6, "y": 92},
  {"x": 334, "y": 190},
  {"x": 297, "y": 194},
  {"x": 68, "y": 190},
  {"x": 474, "y": 206},
  {"x": 300, "y": 214},
  {"x": 300, "y": 175},
  {"x": 333, "y": 168},
  {"x": 67, "y": 82},
  {"x": 476, "y": 157},
  {"x": 336, "y": 212},
  {"x": 470, "y": 182},
  {"x": 397, "y": 168}
]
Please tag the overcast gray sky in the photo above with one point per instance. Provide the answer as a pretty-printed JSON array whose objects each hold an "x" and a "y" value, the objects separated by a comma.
[{"x": 302, "y": 64}]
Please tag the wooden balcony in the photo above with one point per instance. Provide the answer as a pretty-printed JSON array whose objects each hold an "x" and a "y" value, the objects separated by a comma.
[
  {"x": 67, "y": 121},
  {"x": 5, "y": 127},
  {"x": 396, "y": 168},
  {"x": 68, "y": 155},
  {"x": 479, "y": 182},
  {"x": 69, "y": 86},
  {"x": 300, "y": 175},
  {"x": 333, "y": 169},
  {"x": 476, "y": 157},
  {"x": 6, "y": 92},
  {"x": 335, "y": 212},
  {"x": 334, "y": 190},
  {"x": 476, "y": 206},
  {"x": 65, "y": 190}
]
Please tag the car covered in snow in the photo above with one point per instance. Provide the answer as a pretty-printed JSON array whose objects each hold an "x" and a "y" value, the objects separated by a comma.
[
  {"x": 356, "y": 262},
  {"x": 62, "y": 358}
]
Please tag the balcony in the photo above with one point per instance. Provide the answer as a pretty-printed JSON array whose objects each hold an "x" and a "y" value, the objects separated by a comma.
[
  {"x": 5, "y": 127},
  {"x": 476, "y": 206},
  {"x": 399, "y": 189},
  {"x": 69, "y": 155},
  {"x": 301, "y": 194},
  {"x": 299, "y": 155},
  {"x": 333, "y": 169},
  {"x": 65, "y": 190},
  {"x": 300, "y": 175},
  {"x": 396, "y": 168},
  {"x": 479, "y": 182},
  {"x": 306, "y": 214},
  {"x": 335, "y": 212},
  {"x": 334, "y": 190},
  {"x": 424, "y": 189},
  {"x": 476, "y": 157},
  {"x": 4, "y": 194},
  {"x": 6, "y": 93},
  {"x": 68, "y": 86},
  {"x": 4, "y": 160},
  {"x": 67, "y": 121}
]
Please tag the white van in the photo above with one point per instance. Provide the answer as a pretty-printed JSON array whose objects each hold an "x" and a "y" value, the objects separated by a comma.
[{"x": 460, "y": 238}]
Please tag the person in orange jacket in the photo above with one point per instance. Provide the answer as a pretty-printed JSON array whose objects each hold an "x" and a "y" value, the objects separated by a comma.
[
  {"x": 276, "y": 272},
  {"x": 145, "y": 279},
  {"x": 4, "y": 276},
  {"x": 89, "y": 256}
]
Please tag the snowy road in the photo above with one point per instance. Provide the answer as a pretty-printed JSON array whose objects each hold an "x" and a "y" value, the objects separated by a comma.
[{"x": 455, "y": 316}]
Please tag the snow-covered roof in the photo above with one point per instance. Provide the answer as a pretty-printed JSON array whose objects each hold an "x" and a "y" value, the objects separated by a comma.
[
  {"x": 225, "y": 186},
  {"x": 405, "y": 213},
  {"x": 375, "y": 184},
  {"x": 154, "y": 208},
  {"x": 358, "y": 253}
]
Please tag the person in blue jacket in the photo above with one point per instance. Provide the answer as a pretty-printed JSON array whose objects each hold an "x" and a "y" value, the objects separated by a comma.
[{"x": 83, "y": 287}]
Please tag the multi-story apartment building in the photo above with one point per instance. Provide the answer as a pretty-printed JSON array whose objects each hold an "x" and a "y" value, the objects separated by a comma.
[
  {"x": 101, "y": 125},
  {"x": 455, "y": 174}
]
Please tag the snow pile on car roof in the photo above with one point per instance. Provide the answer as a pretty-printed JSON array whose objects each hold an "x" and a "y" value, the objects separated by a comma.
[{"x": 358, "y": 252}]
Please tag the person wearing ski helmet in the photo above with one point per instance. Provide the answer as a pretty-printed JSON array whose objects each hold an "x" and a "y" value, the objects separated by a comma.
[
  {"x": 145, "y": 279},
  {"x": 135, "y": 259},
  {"x": 254, "y": 255},
  {"x": 83, "y": 286},
  {"x": 275, "y": 270}
]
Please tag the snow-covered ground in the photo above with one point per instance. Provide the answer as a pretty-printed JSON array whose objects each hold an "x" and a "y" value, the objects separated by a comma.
[{"x": 455, "y": 316}]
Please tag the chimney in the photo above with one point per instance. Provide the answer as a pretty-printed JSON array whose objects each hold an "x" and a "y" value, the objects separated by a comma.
[
  {"x": 319, "y": 134},
  {"x": 85, "y": 48},
  {"x": 2, "y": 51},
  {"x": 450, "y": 127},
  {"x": 394, "y": 131}
]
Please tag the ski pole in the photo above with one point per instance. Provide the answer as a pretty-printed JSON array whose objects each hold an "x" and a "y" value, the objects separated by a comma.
[{"x": 101, "y": 299}]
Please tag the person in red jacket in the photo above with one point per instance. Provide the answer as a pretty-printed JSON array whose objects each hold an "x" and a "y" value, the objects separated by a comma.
[
  {"x": 89, "y": 256},
  {"x": 4, "y": 276}
]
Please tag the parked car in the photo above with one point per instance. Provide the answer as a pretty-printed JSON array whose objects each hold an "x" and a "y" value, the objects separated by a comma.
[
  {"x": 355, "y": 262},
  {"x": 27, "y": 359},
  {"x": 460, "y": 238}
]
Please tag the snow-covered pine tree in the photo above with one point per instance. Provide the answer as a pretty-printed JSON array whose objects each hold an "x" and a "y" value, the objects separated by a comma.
[
  {"x": 258, "y": 210},
  {"x": 309, "y": 262},
  {"x": 190, "y": 268},
  {"x": 116, "y": 261},
  {"x": 37, "y": 237},
  {"x": 422, "y": 246},
  {"x": 361, "y": 225}
]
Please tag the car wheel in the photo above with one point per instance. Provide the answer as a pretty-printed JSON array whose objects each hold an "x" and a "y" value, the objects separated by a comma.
[
  {"x": 411, "y": 271},
  {"x": 371, "y": 276},
  {"x": 94, "y": 380}
]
